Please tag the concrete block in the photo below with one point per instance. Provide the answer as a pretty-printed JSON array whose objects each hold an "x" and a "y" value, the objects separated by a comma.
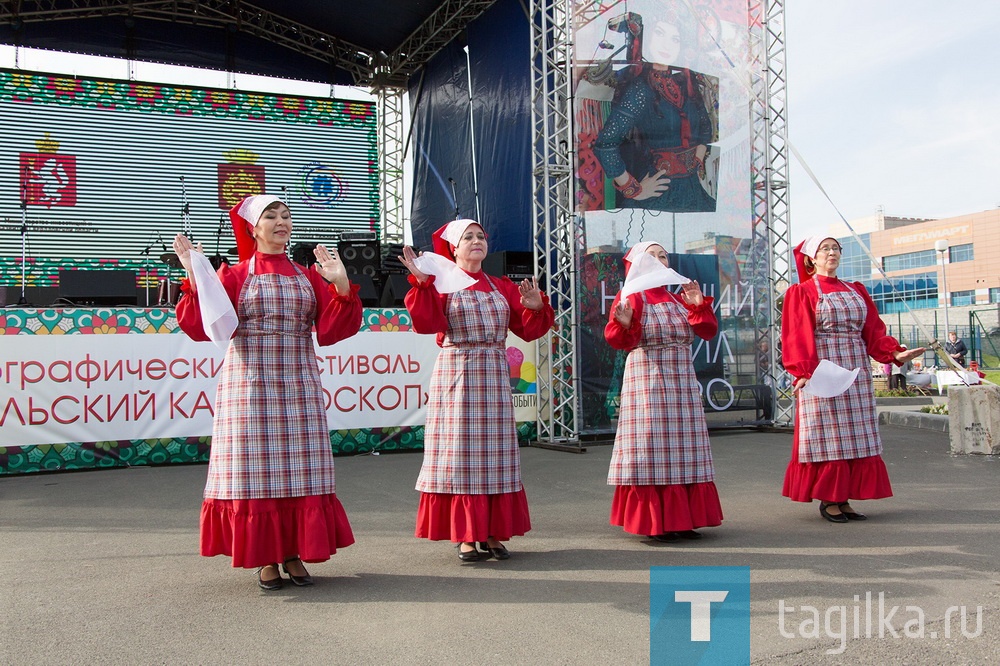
[
  {"x": 907, "y": 419},
  {"x": 974, "y": 419}
]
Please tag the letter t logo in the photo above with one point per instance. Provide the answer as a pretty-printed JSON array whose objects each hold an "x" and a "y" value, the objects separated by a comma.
[{"x": 701, "y": 606}]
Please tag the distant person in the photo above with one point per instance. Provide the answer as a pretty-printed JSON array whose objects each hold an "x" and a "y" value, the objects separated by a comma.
[
  {"x": 956, "y": 348},
  {"x": 661, "y": 466},
  {"x": 897, "y": 375},
  {"x": 270, "y": 496},
  {"x": 837, "y": 451}
]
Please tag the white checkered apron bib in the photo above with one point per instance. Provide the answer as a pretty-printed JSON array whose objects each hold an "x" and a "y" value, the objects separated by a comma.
[
  {"x": 470, "y": 440},
  {"x": 270, "y": 437},
  {"x": 662, "y": 438},
  {"x": 843, "y": 427}
]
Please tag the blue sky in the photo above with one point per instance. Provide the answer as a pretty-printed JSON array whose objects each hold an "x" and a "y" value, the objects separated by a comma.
[{"x": 893, "y": 103}]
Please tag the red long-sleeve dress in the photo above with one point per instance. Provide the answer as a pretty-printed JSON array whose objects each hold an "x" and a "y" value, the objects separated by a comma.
[
  {"x": 470, "y": 480},
  {"x": 661, "y": 465},
  {"x": 271, "y": 493},
  {"x": 836, "y": 452}
]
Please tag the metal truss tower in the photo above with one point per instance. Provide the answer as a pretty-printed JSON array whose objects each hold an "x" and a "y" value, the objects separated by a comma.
[
  {"x": 390, "y": 162},
  {"x": 770, "y": 255},
  {"x": 557, "y": 229}
]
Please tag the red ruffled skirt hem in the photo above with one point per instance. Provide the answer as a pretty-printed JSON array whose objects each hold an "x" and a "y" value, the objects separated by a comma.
[
  {"x": 650, "y": 510},
  {"x": 456, "y": 518},
  {"x": 837, "y": 480},
  {"x": 255, "y": 532}
]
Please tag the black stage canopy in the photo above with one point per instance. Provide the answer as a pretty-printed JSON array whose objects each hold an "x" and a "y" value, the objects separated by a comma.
[{"x": 374, "y": 42}]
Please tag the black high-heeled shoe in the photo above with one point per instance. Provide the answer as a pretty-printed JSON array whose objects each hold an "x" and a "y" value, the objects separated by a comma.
[
  {"x": 468, "y": 555},
  {"x": 666, "y": 537},
  {"x": 301, "y": 581},
  {"x": 852, "y": 514},
  {"x": 500, "y": 553},
  {"x": 272, "y": 584},
  {"x": 832, "y": 517},
  {"x": 689, "y": 534}
]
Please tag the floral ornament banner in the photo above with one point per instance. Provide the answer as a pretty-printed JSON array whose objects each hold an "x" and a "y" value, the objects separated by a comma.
[{"x": 176, "y": 100}]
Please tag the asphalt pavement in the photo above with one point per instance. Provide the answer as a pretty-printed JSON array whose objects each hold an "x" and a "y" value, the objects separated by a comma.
[{"x": 101, "y": 567}]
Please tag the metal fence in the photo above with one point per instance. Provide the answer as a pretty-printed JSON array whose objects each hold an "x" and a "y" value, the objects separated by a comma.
[{"x": 981, "y": 333}]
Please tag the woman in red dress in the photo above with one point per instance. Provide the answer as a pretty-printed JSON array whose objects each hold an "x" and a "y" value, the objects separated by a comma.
[
  {"x": 837, "y": 451},
  {"x": 661, "y": 465},
  {"x": 270, "y": 496},
  {"x": 470, "y": 480}
]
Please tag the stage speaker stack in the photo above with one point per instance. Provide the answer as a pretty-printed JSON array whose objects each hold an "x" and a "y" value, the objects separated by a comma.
[
  {"x": 509, "y": 263},
  {"x": 396, "y": 286},
  {"x": 390, "y": 259},
  {"x": 302, "y": 253},
  {"x": 361, "y": 253},
  {"x": 96, "y": 288},
  {"x": 368, "y": 293}
]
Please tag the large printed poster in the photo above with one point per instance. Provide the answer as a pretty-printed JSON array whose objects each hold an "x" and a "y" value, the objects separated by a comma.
[
  {"x": 661, "y": 121},
  {"x": 663, "y": 154}
]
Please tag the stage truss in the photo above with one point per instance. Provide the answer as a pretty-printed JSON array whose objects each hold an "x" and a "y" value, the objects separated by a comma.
[{"x": 770, "y": 247}]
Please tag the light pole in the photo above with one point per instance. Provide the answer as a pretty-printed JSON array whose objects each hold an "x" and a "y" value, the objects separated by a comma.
[{"x": 942, "y": 246}]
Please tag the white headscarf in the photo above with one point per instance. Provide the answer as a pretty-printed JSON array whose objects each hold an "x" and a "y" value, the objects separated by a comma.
[
  {"x": 455, "y": 229},
  {"x": 810, "y": 245},
  {"x": 646, "y": 272},
  {"x": 637, "y": 249},
  {"x": 253, "y": 207}
]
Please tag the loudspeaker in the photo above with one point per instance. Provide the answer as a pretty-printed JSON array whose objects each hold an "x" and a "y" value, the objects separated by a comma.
[
  {"x": 390, "y": 259},
  {"x": 98, "y": 287},
  {"x": 302, "y": 253},
  {"x": 510, "y": 263},
  {"x": 360, "y": 257},
  {"x": 368, "y": 293},
  {"x": 396, "y": 286}
]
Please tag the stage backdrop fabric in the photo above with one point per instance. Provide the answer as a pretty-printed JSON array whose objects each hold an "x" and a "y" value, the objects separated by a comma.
[{"x": 500, "y": 129}]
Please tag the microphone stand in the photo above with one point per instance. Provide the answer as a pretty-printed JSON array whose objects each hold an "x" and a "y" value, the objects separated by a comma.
[
  {"x": 186, "y": 213},
  {"x": 145, "y": 252},
  {"x": 23, "y": 301},
  {"x": 454, "y": 197},
  {"x": 164, "y": 299},
  {"x": 218, "y": 241}
]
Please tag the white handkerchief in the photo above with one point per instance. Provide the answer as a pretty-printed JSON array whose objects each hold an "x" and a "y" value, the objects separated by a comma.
[
  {"x": 647, "y": 272},
  {"x": 448, "y": 278},
  {"x": 830, "y": 380},
  {"x": 217, "y": 313}
]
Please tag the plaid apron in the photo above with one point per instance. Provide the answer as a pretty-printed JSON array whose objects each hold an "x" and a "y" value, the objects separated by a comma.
[
  {"x": 843, "y": 427},
  {"x": 470, "y": 440},
  {"x": 270, "y": 437},
  {"x": 662, "y": 438}
]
